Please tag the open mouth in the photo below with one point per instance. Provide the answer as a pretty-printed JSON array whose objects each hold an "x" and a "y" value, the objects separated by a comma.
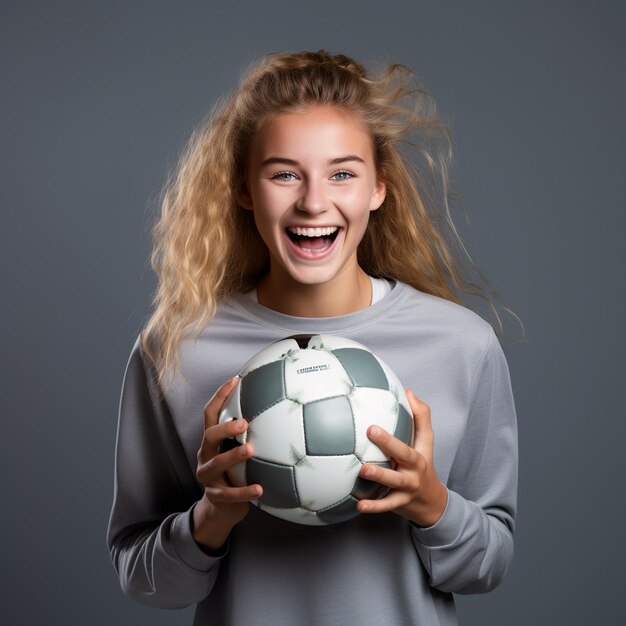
[{"x": 314, "y": 240}]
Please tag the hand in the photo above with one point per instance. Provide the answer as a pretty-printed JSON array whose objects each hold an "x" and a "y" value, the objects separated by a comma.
[
  {"x": 416, "y": 492},
  {"x": 222, "y": 505}
]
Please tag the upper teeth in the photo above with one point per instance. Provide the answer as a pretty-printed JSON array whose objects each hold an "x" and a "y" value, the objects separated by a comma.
[{"x": 313, "y": 232}]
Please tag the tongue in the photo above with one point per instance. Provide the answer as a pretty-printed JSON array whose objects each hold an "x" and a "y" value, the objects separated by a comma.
[{"x": 312, "y": 243}]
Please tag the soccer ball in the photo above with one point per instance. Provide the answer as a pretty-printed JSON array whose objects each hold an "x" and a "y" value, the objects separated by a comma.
[{"x": 309, "y": 401}]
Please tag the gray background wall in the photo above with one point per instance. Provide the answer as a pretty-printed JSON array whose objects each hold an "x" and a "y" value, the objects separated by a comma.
[{"x": 97, "y": 101}]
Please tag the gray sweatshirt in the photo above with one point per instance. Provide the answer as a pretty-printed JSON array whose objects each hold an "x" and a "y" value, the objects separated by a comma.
[{"x": 373, "y": 569}]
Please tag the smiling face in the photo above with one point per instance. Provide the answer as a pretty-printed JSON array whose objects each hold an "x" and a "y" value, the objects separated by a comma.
[{"x": 312, "y": 183}]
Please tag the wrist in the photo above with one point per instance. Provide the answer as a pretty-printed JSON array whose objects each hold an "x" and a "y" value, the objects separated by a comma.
[
  {"x": 425, "y": 514},
  {"x": 208, "y": 530}
]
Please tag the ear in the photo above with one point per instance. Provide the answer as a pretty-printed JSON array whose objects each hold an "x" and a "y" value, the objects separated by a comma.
[
  {"x": 244, "y": 197},
  {"x": 378, "y": 197}
]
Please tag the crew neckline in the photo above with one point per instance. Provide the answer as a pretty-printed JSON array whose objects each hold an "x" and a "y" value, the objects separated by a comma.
[
  {"x": 269, "y": 317},
  {"x": 380, "y": 288}
]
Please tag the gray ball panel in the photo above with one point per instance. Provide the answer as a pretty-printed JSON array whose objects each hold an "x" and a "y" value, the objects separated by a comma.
[
  {"x": 341, "y": 512},
  {"x": 278, "y": 482},
  {"x": 404, "y": 426},
  {"x": 362, "y": 367},
  {"x": 368, "y": 489},
  {"x": 329, "y": 427},
  {"x": 262, "y": 388}
]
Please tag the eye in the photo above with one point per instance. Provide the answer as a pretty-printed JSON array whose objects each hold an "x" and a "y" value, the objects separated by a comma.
[
  {"x": 342, "y": 175},
  {"x": 283, "y": 176}
]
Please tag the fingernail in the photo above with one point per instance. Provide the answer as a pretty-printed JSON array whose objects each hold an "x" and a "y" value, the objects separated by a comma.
[
  {"x": 243, "y": 451},
  {"x": 364, "y": 508},
  {"x": 374, "y": 431},
  {"x": 367, "y": 472}
]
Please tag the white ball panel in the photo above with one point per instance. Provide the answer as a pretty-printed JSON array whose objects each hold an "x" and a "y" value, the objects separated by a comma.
[
  {"x": 315, "y": 374},
  {"x": 277, "y": 434},
  {"x": 372, "y": 406},
  {"x": 325, "y": 480},
  {"x": 273, "y": 352},
  {"x": 299, "y": 516},
  {"x": 333, "y": 342},
  {"x": 232, "y": 410}
]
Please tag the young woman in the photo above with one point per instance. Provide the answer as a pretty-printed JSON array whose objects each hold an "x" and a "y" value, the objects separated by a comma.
[{"x": 294, "y": 211}]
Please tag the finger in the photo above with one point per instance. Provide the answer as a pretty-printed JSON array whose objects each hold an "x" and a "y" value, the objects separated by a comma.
[
  {"x": 234, "y": 494},
  {"x": 391, "y": 478},
  {"x": 393, "y": 447},
  {"x": 213, "y": 407},
  {"x": 424, "y": 435},
  {"x": 217, "y": 466},
  {"x": 220, "y": 438},
  {"x": 214, "y": 435},
  {"x": 392, "y": 501}
]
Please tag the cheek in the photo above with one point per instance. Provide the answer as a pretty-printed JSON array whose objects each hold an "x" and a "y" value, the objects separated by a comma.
[
  {"x": 357, "y": 206},
  {"x": 264, "y": 225},
  {"x": 267, "y": 215},
  {"x": 265, "y": 208}
]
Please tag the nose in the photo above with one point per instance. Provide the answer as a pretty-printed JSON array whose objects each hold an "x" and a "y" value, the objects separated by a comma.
[{"x": 313, "y": 198}]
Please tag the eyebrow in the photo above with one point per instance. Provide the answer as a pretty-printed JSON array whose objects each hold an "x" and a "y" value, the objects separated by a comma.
[{"x": 285, "y": 161}]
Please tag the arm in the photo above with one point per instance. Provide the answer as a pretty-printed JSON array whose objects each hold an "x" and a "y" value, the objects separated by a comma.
[
  {"x": 469, "y": 549},
  {"x": 151, "y": 524},
  {"x": 463, "y": 532}
]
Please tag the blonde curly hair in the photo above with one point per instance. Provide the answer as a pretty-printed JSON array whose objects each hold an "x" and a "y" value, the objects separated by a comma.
[{"x": 207, "y": 247}]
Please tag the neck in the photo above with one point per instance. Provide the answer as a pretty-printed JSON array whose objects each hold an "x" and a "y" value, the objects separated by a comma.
[{"x": 342, "y": 295}]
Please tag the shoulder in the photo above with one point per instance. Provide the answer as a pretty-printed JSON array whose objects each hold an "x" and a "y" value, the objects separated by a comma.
[
  {"x": 443, "y": 318},
  {"x": 438, "y": 339}
]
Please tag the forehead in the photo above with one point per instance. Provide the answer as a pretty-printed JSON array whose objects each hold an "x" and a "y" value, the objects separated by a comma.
[{"x": 317, "y": 128}]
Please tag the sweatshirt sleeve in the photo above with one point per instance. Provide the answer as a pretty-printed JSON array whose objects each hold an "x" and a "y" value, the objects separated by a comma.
[
  {"x": 469, "y": 549},
  {"x": 149, "y": 535}
]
